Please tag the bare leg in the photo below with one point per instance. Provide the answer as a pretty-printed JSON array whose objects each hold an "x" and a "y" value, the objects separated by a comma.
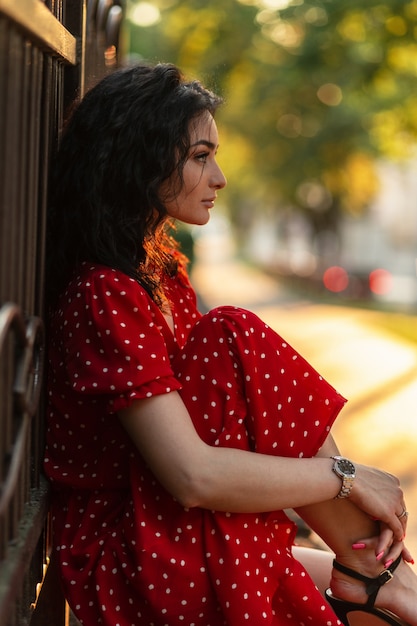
[
  {"x": 318, "y": 564},
  {"x": 340, "y": 524}
]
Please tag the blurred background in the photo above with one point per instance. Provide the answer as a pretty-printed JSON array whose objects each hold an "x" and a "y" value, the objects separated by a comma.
[{"x": 318, "y": 132}]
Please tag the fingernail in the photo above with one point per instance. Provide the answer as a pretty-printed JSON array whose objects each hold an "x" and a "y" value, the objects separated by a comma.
[
  {"x": 388, "y": 563},
  {"x": 358, "y": 546},
  {"x": 379, "y": 556}
]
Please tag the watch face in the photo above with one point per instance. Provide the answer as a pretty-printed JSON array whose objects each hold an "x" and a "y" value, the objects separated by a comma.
[{"x": 345, "y": 467}]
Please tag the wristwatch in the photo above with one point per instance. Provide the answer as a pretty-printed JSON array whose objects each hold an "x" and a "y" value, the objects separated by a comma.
[{"x": 346, "y": 471}]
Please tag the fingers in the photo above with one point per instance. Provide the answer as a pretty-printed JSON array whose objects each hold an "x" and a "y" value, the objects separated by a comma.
[
  {"x": 398, "y": 523},
  {"x": 396, "y": 526},
  {"x": 407, "y": 556},
  {"x": 385, "y": 547},
  {"x": 403, "y": 517},
  {"x": 379, "y": 494},
  {"x": 397, "y": 529},
  {"x": 384, "y": 543},
  {"x": 388, "y": 556}
]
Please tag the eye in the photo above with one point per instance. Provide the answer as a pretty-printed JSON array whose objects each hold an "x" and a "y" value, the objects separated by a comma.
[{"x": 202, "y": 157}]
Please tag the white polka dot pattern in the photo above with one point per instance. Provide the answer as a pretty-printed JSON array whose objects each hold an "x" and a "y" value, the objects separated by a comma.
[{"x": 129, "y": 554}]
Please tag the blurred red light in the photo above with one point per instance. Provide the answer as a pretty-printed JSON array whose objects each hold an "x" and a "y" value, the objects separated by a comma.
[
  {"x": 380, "y": 282},
  {"x": 335, "y": 279}
]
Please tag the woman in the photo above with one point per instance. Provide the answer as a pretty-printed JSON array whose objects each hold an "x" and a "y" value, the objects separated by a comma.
[{"x": 175, "y": 440}]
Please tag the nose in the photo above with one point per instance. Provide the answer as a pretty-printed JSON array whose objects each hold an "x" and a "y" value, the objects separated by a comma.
[{"x": 218, "y": 178}]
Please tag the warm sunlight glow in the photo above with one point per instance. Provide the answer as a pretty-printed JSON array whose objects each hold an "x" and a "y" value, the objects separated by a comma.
[
  {"x": 274, "y": 4},
  {"x": 330, "y": 94},
  {"x": 285, "y": 34},
  {"x": 268, "y": 4},
  {"x": 144, "y": 14}
]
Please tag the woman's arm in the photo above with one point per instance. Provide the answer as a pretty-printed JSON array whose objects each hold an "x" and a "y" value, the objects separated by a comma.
[{"x": 227, "y": 479}]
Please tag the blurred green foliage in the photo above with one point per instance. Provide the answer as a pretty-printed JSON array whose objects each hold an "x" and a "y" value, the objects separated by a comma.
[{"x": 316, "y": 91}]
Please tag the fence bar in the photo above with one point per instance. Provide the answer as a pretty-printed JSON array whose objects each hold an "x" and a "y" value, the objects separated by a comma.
[
  {"x": 50, "y": 51},
  {"x": 40, "y": 24}
]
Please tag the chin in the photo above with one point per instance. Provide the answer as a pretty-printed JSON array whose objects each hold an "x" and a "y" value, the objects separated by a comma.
[
  {"x": 204, "y": 219},
  {"x": 200, "y": 221},
  {"x": 195, "y": 218}
]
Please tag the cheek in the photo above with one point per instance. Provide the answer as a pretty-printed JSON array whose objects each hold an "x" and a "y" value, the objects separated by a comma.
[
  {"x": 173, "y": 209},
  {"x": 192, "y": 176}
]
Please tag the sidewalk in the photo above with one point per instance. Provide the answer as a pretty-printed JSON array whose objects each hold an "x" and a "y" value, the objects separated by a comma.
[{"x": 376, "y": 371}]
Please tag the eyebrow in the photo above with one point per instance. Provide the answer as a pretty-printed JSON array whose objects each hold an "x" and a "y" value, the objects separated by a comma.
[{"x": 204, "y": 142}]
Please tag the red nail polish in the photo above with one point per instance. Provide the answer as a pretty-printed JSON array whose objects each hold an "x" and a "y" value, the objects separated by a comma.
[
  {"x": 388, "y": 563},
  {"x": 358, "y": 546},
  {"x": 379, "y": 556}
]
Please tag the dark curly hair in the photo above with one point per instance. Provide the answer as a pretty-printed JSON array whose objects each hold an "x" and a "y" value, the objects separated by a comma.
[{"x": 125, "y": 138}]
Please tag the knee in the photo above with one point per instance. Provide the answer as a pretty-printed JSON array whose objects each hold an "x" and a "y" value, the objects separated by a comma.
[{"x": 233, "y": 315}]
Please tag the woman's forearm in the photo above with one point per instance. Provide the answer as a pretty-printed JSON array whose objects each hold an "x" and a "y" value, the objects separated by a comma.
[
  {"x": 238, "y": 481},
  {"x": 224, "y": 479},
  {"x": 227, "y": 479}
]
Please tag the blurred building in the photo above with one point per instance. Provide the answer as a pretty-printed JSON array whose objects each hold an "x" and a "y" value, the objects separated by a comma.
[{"x": 372, "y": 256}]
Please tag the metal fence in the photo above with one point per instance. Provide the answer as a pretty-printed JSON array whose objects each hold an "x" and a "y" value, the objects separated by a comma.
[{"x": 49, "y": 53}]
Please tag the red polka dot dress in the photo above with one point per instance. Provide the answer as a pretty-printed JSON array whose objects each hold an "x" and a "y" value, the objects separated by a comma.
[{"x": 129, "y": 554}]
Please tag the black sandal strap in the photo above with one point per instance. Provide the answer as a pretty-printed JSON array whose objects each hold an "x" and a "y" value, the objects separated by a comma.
[{"x": 373, "y": 585}]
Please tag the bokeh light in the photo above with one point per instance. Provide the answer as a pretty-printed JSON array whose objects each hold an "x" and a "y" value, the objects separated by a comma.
[
  {"x": 380, "y": 281},
  {"x": 336, "y": 279}
]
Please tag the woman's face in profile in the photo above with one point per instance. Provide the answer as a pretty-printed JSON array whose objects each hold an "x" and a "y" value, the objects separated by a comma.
[{"x": 202, "y": 176}]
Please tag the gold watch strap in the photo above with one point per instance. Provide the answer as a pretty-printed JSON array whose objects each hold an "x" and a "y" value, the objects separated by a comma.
[{"x": 347, "y": 484}]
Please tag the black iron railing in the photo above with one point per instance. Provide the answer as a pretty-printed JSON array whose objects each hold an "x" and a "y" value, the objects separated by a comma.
[{"x": 49, "y": 53}]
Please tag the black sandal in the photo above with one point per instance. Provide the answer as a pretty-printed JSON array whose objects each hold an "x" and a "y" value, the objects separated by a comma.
[{"x": 342, "y": 607}]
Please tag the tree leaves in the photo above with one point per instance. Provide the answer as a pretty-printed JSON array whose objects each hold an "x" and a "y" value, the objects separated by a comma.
[{"x": 316, "y": 91}]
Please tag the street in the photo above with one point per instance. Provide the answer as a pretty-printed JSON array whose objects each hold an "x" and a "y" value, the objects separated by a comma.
[{"x": 375, "y": 370}]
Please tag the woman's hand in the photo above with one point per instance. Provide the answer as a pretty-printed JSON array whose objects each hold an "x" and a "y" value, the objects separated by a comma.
[
  {"x": 379, "y": 494},
  {"x": 385, "y": 547}
]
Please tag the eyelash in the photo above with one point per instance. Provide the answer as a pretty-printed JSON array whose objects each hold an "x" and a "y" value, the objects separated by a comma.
[{"x": 202, "y": 157}]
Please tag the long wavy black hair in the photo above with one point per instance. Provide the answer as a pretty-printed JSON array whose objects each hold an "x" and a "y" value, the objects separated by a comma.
[{"x": 126, "y": 137}]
